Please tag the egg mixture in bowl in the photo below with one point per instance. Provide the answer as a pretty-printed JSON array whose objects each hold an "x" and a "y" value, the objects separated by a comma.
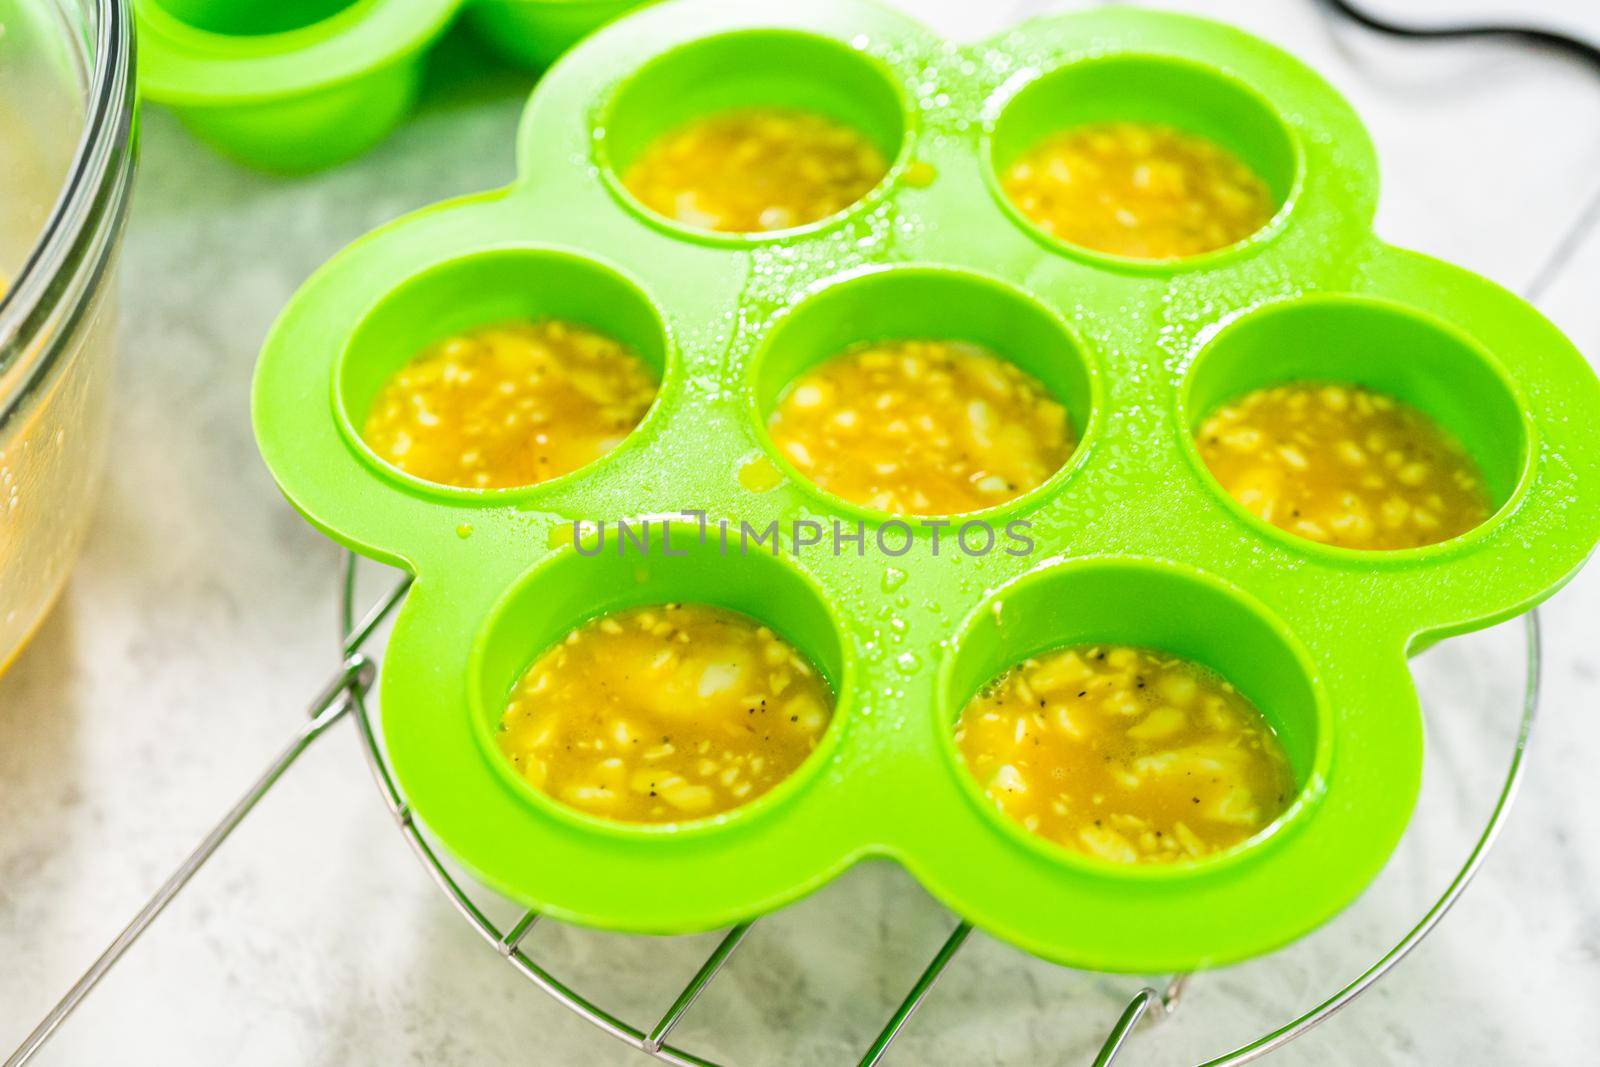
[{"x": 66, "y": 127}]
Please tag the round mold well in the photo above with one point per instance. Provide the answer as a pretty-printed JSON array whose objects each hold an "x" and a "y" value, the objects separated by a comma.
[
  {"x": 1160, "y": 606},
  {"x": 252, "y": 18},
  {"x": 753, "y": 68},
  {"x": 655, "y": 561},
  {"x": 480, "y": 289},
  {"x": 1165, "y": 90},
  {"x": 1384, "y": 346},
  {"x": 926, "y": 302}
]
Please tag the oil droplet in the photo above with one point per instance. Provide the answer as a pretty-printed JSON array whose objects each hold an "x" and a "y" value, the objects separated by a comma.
[
  {"x": 759, "y": 475},
  {"x": 920, "y": 175},
  {"x": 464, "y": 531},
  {"x": 908, "y": 662},
  {"x": 560, "y": 536},
  {"x": 893, "y": 578}
]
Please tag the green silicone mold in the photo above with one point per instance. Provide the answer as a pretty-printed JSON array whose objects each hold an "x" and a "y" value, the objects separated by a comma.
[
  {"x": 295, "y": 85},
  {"x": 1132, "y": 542}
]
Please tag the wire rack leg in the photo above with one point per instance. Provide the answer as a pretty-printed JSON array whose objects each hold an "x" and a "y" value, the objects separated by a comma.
[
  {"x": 508, "y": 944},
  {"x": 702, "y": 978},
  {"x": 331, "y": 705},
  {"x": 1143, "y": 1001},
  {"x": 918, "y": 994}
]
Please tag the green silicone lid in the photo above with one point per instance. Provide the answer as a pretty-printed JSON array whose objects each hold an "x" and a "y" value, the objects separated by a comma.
[
  {"x": 294, "y": 85},
  {"x": 1132, "y": 542}
]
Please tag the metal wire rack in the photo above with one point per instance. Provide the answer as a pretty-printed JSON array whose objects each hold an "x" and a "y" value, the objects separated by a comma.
[{"x": 346, "y": 693}]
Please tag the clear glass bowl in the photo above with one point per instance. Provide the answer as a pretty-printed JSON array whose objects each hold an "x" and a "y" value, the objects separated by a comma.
[{"x": 66, "y": 162}]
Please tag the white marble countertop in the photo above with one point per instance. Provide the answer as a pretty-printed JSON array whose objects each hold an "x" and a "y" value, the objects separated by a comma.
[{"x": 201, "y": 620}]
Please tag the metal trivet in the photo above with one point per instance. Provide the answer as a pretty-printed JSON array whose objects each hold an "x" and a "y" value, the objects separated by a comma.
[{"x": 346, "y": 693}]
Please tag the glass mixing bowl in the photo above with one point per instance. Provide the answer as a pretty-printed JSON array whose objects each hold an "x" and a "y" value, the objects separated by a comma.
[{"x": 66, "y": 161}]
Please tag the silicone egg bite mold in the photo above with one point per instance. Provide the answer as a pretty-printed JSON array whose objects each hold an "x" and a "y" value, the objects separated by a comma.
[
  {"x": 1132, "y": 541},
  {"x": 293, "y": 85}
]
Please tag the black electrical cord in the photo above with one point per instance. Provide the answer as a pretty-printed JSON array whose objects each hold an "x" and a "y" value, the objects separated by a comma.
[
  {"x": 1576, "y": 46},
  {"x": 1587, "y": 51}
]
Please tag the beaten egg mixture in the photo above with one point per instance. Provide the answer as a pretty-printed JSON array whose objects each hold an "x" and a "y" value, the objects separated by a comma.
[
  {"x": 1141, "y": 190},
  {"x": 1343, "y": 465},
  {"x": 755, "y": 170},
  {"x": 922, "y": 427},
  {"x": 509, "y": 405},
  {"x": 1125, "y": 754},
  {"x": 665, "y": 713}
]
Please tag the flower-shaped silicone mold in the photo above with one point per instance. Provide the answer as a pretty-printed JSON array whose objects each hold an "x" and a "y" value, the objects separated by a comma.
[
  {"x": 293, "y": 85},
  {"x": 1133, "y": 540}
]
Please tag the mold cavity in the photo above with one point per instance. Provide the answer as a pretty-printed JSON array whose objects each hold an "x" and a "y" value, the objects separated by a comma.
[
  {"x": 1355, "y": 424},
  {"x": 1125, "y": 754},
  {"x": 503, "y": 369},
  {"x": 240, "y": 19},
  {"x": 1143, "y": 158},
  {"x": 755, "y": 170},
  {"x": 507, "y": 405},
  {"x": 701, "y": 684},
  {"x": 663, "y": 713},
  {"x": 753, "y": 132},
  {"x": 1126, "y": 734},
  {"x": 922, "y": 391}
]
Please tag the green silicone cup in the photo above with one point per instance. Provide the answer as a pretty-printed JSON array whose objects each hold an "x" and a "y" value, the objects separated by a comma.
[
  {"x": 296, "y": 85},
  {"x": 1131, "y": 542}
]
